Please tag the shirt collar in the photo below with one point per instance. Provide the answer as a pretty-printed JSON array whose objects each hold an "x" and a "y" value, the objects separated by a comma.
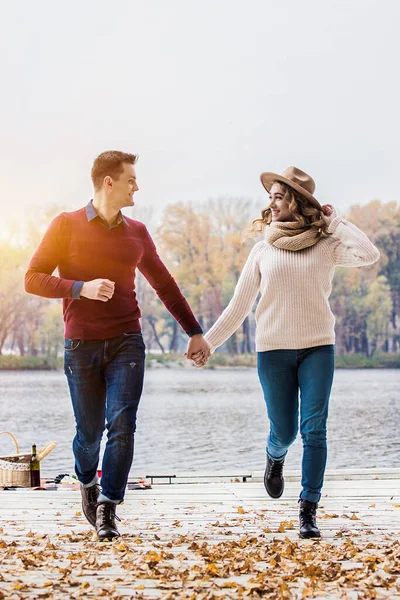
[{"x": 91, "y": 213}]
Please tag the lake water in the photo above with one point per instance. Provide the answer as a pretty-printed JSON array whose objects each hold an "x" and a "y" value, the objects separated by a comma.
[{"x": 208, "y": 420}]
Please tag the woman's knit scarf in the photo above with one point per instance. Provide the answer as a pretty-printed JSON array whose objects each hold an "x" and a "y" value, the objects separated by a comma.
[{"x": 291, "y": 235}]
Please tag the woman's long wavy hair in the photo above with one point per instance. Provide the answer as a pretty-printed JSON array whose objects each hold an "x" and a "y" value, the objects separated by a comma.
[{"x": 302, "y": 210}]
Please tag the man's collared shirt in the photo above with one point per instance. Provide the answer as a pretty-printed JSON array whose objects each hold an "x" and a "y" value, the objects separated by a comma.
[{"x": 92, "y": 213}]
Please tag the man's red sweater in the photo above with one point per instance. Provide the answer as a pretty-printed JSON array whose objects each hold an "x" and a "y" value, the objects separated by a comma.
[{"x": 83, "y": 248}]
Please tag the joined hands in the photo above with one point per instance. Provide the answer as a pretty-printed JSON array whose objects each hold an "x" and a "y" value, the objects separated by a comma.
[{"x": 198, "y": 350}]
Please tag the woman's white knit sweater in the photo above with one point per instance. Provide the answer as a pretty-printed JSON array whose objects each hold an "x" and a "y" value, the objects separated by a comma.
[{"x": 293, "y": 311}]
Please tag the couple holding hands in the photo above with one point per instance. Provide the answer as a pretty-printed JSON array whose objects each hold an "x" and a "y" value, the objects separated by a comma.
[{"x": 97, "y": 251}]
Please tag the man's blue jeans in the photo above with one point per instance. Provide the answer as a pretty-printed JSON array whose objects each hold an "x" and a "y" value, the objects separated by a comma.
[
  {"x": 283, "y": 373},
  {"x": 105, "y": 379}
]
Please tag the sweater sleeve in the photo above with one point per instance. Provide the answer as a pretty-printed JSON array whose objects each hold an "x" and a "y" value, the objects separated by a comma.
[
  {"x": 161, "y": 280},
  {"x": 246, "y": 292},
  {"x": 51, "y": 250},
  {"x": 350, "y": 246}
]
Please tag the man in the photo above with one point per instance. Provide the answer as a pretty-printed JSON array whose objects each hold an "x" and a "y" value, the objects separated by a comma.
[{"x": 97, "y": 251}]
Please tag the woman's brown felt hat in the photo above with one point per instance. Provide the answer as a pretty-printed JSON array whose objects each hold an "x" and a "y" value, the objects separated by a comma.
[{"x": 296, "y": 179}]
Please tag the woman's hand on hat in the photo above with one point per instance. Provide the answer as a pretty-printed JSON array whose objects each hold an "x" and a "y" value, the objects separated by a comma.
[
  {"x": 328, "y": 213},
  {"x": 327, "y": 209}
]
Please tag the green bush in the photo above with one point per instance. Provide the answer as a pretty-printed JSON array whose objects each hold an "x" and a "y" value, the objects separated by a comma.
[
  {"x": 167, "y": 360},
  {"x": 360, "y": 361},
  {"x": 222, "y": 359},
  {"x": 14, "y": 362}
]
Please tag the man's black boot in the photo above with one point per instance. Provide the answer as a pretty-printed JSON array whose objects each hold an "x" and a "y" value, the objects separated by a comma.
[
  {"x": 105, "y": 521},
  {"x": 89, "y": 502},
  {"x": 308, "y": 521},
  {"x": 273, "y": 478}
]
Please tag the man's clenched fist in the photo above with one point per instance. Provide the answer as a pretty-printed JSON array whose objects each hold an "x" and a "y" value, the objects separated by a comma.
[{"x": 98, "y": 289}]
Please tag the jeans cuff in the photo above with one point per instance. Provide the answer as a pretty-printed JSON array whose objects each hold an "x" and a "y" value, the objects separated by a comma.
[
  {"x": 310, "y": 496},
  {"x": 94, "y": 481},
  {"x": 103, "y": 498},
  {"x": 276, "y": 459}
]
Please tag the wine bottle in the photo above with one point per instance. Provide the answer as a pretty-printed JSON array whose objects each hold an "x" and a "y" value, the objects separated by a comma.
[{"x": 35, "y": 468}]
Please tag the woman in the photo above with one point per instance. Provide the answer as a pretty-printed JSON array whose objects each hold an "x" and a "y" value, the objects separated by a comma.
[{"x": 292, "y": 269}]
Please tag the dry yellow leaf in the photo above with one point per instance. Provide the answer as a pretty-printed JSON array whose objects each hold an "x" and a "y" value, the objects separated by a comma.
[
  {"x": 229, "y": 584},
  {"x": 121, "y": 547},
  {"x": 152, "y": 556},
  {"x": 212, "y": 569}
]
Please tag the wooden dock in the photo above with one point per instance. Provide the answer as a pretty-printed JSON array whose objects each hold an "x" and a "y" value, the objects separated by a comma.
[{"x": 218, "y": 538}]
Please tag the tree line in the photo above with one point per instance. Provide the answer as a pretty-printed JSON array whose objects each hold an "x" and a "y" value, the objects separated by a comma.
[{"x": 203, "y": 247}]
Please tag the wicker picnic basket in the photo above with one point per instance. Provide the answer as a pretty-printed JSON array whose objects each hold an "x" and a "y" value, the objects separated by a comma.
[{"x": 15, "y": 469}]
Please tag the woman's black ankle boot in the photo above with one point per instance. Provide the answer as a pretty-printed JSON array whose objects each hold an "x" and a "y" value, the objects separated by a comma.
[{"x": 308, "y": 520}]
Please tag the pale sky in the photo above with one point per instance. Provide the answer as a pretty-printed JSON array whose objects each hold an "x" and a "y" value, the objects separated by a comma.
[{"x": 208, "y": 93}]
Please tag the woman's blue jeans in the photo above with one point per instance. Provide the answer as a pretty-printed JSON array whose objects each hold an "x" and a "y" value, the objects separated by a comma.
[
  {"x": 283, "y": 374},
  {"x": 105, "y": 379}
]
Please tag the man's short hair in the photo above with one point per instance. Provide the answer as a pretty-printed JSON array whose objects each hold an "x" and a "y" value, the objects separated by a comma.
[{"x": 110, "y": 163}]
